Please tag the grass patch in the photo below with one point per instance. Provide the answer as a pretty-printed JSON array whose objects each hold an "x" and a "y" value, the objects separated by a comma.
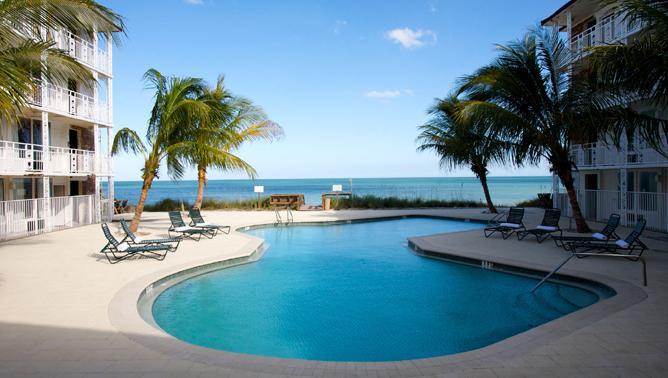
[
  {"x": 543, "y": 200},
  {"x": 169, "y": 204},
  {"x": 374, "y": 202}
]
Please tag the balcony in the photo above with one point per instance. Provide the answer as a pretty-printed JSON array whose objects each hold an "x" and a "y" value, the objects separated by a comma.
[
  {"x": 83, "y": 50},
  {"x": 64, "y": 101},
  {"x": 603, "y": 155},
  {"x": 610, "y": 30},
  {"x": 25, "y": 159}
]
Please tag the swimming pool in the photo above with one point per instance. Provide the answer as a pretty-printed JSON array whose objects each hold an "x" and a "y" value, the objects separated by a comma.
[{"x": 354, "y": 292}]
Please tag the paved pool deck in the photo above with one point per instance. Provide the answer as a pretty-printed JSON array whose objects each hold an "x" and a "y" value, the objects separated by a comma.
[{"x": 66, "y": 312}]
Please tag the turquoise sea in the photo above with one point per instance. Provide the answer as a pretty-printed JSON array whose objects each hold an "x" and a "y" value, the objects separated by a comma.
[{"x": 505, "y": 190}]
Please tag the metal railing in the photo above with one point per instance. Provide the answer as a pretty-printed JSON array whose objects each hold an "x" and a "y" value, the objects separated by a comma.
[
  {"x": 25, "y": 158},
  {"x": 36, "y": 216},
  {"x": 604, "y": 155},
  {"x": 79, "y": 48},
  {"x": 597, "y": 205},
  {"x": 63, "y": 100},
  {"x": 83, "y": 50},
  {"x": 611, "y": 29}
]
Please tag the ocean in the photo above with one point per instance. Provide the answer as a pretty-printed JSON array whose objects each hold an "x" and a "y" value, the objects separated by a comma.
[{"x": 504, "y": 190}]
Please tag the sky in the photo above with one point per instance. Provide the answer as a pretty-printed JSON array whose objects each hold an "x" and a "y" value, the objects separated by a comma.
[{"x": 349, "y": 81}]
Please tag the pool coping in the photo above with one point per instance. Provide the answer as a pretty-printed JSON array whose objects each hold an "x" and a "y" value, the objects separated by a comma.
[{"x": 124, "y": 315}]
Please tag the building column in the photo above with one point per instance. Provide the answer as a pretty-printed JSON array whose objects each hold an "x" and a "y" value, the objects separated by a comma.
[
  {"x": 96, "y": 170},
  {"x": 555, "y": 191},
  {"x": 46, "y": 181},
  {"x": 110, "y": 204},
  {"x": 623, "y": 195}
]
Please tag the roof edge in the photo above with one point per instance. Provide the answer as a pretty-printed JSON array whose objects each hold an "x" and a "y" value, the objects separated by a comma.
[{"x": 561, "y": 9}]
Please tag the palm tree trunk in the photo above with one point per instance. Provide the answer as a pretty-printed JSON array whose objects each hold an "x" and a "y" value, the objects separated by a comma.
[
  {"x": 201, "y": 183},
  {"x": 148, "y": 180},
  {"x": 567, "y": 180},
  {"x": 483, "y": 181}
]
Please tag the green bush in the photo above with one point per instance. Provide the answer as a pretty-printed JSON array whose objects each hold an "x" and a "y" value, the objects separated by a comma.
[
  {"x": 169, "y": 204},
  {"x": 374, "y": 202},
  {"x": 543, "y": 200}
]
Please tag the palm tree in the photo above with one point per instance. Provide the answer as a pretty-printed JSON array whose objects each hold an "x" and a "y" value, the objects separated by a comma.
[
  {"x": 530, "y": 97},
  {"x": 177, "y": 102},
  {"x": 27, "y": 53},
  {"x": 459, "y": 142},
  {"x": 638, "y": 69},
  {"x": 233, "y": 122}
]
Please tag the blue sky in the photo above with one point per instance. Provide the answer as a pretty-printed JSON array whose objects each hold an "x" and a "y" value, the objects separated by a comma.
[{"x": 349, "y": 81}]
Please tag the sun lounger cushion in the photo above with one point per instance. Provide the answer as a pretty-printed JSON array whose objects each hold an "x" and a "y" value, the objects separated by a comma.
[
  {"x": 622, "y": 243},
  {"x": 510, "y": 225},
  {"x": 123, "y": 246},
  {"x": 204, "y": 224},
  {"x": 546, "y": 228},
  {"x": 599, "y": 236},
  {"x": 184, "y": 228}
]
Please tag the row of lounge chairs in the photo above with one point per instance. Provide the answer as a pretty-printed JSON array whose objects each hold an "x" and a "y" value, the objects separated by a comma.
[
  {"x": 514, "y": 224},
  {"x": 606, "y": 242},
  {"x": 133, "y": 245}
]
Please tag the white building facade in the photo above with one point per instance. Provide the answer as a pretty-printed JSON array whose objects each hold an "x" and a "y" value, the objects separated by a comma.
[
  {"x": 55, "y": 164},
  {"x": 632, "y": 180}
]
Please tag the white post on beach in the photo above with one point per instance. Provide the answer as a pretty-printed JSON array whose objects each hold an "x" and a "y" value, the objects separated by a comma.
[
  {"x": 336, "y": 189},
  {"x": 258, "y": 189}
]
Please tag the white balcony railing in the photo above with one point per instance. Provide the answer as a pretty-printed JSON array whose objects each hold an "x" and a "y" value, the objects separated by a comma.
[
  {"x": 36, "y": 216},
  {"x": 611, "y": 29},
  {"x": 24, "y": 158},
  {"x": 597, "y": 205},
  {"x": 603, "y": 155},
  {"x": 83, "y": 50},
  {"x": 63, "y": 100}
]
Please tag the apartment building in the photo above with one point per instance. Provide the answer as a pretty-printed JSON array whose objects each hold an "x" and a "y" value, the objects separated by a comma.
[
  {"x": 632, "y": 180},
  {"x": 55, "y": 159}
]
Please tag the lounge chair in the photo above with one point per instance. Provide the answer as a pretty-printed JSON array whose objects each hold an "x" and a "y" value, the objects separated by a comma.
[
  {"x": 607, "y": 233},
  {"x": 131, "y": 238},
  {"x": 123, "y": 250},
  {"x": 548, "y": 226},
  {"x": 630, "y": 247},
  {"x": 196, "y": 220},
  {"x": 512, "y": 223},
  {"x": 179, "y": 226}
]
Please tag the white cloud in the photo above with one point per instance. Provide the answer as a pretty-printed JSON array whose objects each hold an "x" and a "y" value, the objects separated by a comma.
[
  {"x": 194, "y": 2},
  {"x": 388, "y": 94},
  {"x": 410, "y": 38},
  {"x": 339, "y": 25},
  {"x": 433, "y": 6}
]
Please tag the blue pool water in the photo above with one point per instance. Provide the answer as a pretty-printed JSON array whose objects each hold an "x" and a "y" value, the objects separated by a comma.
[{"x": 354, "y": 292}]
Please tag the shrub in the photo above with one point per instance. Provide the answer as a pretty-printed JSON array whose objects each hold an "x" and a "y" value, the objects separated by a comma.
[{"x": 374, "y": 202}]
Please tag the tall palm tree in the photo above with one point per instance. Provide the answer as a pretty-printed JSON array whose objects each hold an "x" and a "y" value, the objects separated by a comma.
[
  {"x": 26, "y": 52},
  {"x": 459, "y": 142},
  {"x": 233, "y": 122},
  {"x": 177, "y": 102},
  {"x": 529, "y": 95},
  {"x": 638, "y": 69}
]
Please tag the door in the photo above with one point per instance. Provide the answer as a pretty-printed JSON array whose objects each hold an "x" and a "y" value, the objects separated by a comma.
[
  {"x": 591, "y": 196},
  {"x": 648, "y": 201},
  {"x": 74, "y": 188},
  {"x": 71, "y": 92},
  {"x": 73, "y": 145}
]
